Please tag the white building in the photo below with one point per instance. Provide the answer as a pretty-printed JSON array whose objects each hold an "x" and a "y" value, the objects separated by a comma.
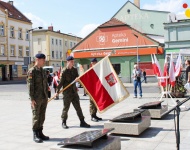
[{"x": 14, "y": 42}]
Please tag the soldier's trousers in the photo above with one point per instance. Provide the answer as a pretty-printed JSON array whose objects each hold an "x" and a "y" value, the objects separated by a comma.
[
  {"x": 93, "y": 109},
  {"x": 39, "y": 114},
  {"x": 67, "y": 100}
]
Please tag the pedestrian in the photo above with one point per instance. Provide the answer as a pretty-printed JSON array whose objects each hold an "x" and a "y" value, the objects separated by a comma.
[
  {"x": 55, "y": 83},
  {"x": 49, "y": 79},
  {"x": 137, "y": 73},
  {"x": 70, "y": 95},
  {"x": 93, "y": 109},
  {"x": 187, "y": 71},
  {"x": 144, "y": 75},
  {"x": 38, "y": 93}
]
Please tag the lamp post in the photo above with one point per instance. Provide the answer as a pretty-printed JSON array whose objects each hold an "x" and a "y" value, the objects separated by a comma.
[
  {"x": 29, "y": 42},
  {"x": 137, "y": 48}
]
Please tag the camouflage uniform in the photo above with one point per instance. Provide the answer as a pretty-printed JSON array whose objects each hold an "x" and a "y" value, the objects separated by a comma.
[
  {"x": 38, "y": 91},
  {"x": 70, "y": 95},
  {"x": 93, "y": 109}
]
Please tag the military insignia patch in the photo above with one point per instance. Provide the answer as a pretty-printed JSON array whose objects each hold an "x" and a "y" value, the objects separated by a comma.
[{"x": 111, "y": 79}]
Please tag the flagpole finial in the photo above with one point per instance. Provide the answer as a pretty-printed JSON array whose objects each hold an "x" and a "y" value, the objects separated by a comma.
[{"x": 112, "y": 52}]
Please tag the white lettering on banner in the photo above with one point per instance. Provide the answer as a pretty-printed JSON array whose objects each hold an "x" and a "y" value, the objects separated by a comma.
[
  {"x": 100, "y": 54},
  {"x": 119, "y": 40},
  {"x": 119, "y": 35}
]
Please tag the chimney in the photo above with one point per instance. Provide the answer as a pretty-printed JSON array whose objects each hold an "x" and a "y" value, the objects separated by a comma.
[
  {"x": 10, "y": 2},
  {"x": 50, "y": 28},
  {"x": 137, "y": 3}
]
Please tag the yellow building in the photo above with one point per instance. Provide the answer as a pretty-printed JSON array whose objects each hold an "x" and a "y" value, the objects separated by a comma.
[
  {"x": 14, "y": 42},
  {"x": 54, "y": 44}
]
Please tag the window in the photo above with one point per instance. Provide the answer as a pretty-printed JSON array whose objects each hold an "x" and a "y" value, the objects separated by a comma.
[
  {"x": 65, "y": 43},
  {"x": 61, "y": 55},
  {"x": 20, "y": 33},
  {"x": 2, "y": 50},
  {"x": 74, "y": 44},
  {"x": 12, "y": 35},
  {"x": 27, "y": 51},
  {"x": 56, "y": 54},
  {"x": 56, "y": 41},
  {"x": 2, "y": 30},
  {"x": 71, "y": 44},
  {"x": 52, "y": 53},
  {"x": 12, "y": 50},
  {"x": 60, "y": 42},
  {"x": 52, "y": 41},
  {"x": 27, "y": 35},
  {"x": 20, "y": 51}
]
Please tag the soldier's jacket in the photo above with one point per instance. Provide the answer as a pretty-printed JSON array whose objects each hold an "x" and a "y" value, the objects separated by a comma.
[
  {"x": 37, "y": 83},
  {"x": 67, "y": 76}
]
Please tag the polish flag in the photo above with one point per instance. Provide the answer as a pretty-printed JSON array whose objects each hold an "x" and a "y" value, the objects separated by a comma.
[
  {"x": 153, "y": 64},
  {"x": 157, "y": 67},
  {"x": 165, "y": 74},
  {"x": 55, "y": 80},
  {"x": 178, "y": 66},
  {"x": 103, "y": 85},
  {"x": 172, "y": 72}
]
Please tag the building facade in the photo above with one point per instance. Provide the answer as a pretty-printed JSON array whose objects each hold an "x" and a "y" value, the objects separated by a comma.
[
  {"x": 130, "y": 46},
  {"x": 14, "y": 42},
  {"x": 54, "y": 44},
  {"x": 145, "y": 21}
]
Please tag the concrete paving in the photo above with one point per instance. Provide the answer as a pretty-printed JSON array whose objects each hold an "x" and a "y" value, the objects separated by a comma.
[{"x": 16, "y": 117}]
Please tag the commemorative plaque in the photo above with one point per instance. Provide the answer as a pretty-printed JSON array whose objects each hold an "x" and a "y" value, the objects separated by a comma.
[
  {"x": 133, "y": 123},
  {"x": 86, "y": 138},
  {"x": 156, "y": 109}
]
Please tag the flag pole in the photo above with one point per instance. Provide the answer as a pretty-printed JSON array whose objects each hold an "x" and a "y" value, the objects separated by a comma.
[{"x": 61, "y": 90}]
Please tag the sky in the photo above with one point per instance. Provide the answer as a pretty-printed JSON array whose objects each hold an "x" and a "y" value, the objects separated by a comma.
[{"x": 80, "y": 17}]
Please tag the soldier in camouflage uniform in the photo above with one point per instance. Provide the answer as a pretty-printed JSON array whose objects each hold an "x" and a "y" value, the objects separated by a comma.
[
  {"x": 70, "y": 95},
  {"x": 93, "y": 109},
  {"x": 38, "y": 92}
]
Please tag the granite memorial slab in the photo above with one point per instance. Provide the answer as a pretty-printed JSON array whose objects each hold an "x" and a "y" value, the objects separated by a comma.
[
  {"x": 90, "y": 140},
  {"x": 156, "y": 109},
  {"x": 133, "y": 123}
]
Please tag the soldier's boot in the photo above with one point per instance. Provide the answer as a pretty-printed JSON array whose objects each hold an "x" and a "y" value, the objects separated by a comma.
[
  {"x": 84, "y": 124},
  {"x": 36, "y": 137},
  {"x": 64, "y": 124},
  {"x": 42, "y": 136},
  {"x": 98, "y": 118},
  {"x": 93, "y": 118}
]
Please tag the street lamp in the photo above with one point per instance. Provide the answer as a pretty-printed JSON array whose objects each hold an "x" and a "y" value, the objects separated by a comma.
[
  {"x": 29, "y": 42},
  {"x": 137, "y": 48}
]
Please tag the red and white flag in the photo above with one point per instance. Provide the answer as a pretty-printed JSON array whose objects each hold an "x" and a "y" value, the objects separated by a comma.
[
  {"x": 157, "y": 67},
  {"x": 153, "y": 64},
  {"x": 178, "y": 66},
  {"x": 103, "y": 85},
  {"x": 172, "y": 72}
]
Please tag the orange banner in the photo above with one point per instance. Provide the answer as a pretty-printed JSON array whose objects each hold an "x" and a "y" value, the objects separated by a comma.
[{"x": 125, "y": 52}]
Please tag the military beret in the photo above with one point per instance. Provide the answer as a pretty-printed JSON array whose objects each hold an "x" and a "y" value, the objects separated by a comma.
[
  {"x": 94, "y": 60},
  {"x": 40, "y": 56},
  {"x": 70, "y": 58}
]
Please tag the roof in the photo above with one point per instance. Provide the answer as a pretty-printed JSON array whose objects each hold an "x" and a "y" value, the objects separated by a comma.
[
  {"x": 112, "y": 23},
  {"x": 13, "y": 12}
]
